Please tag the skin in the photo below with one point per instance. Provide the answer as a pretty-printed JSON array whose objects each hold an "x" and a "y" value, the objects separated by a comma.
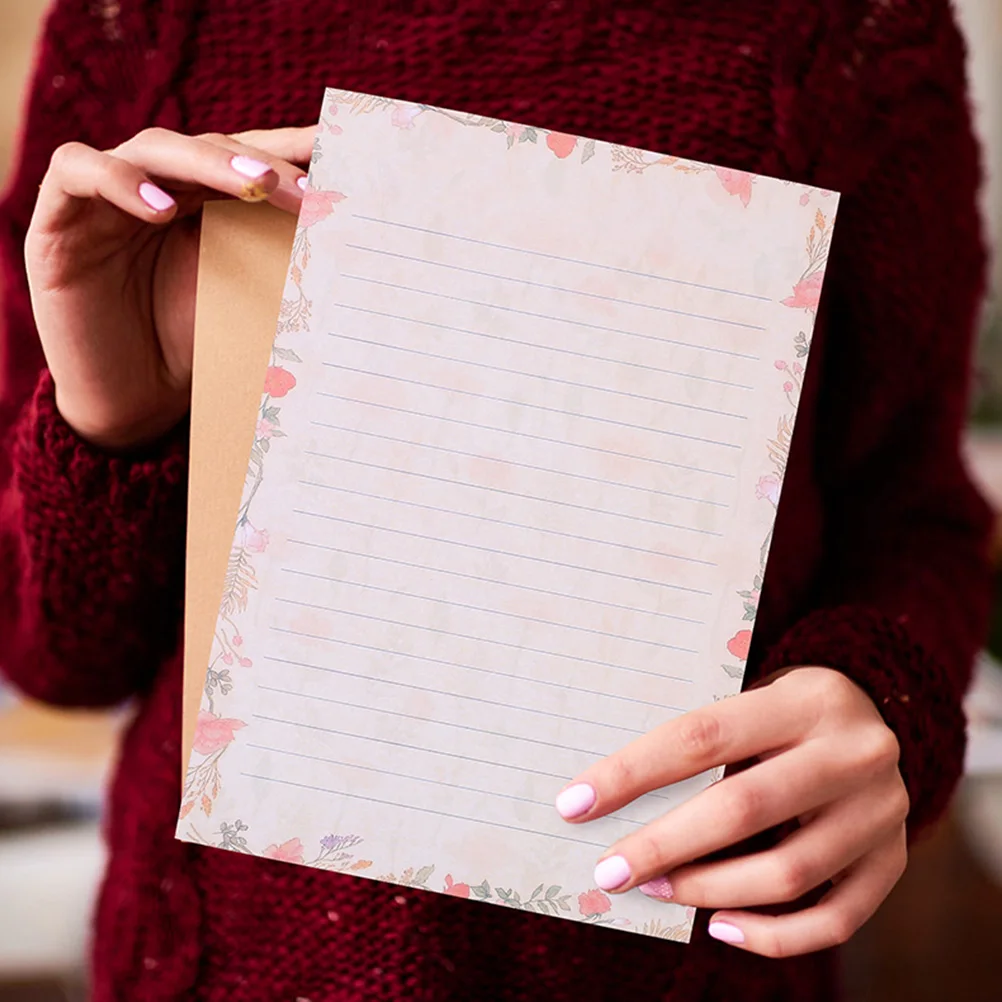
[{"x": 113, "y": 289}]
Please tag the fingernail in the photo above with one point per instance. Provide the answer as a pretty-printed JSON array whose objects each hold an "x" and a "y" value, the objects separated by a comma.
[
  {"x": 575, "y": 800},
  {"x": 155, "y": 198},
  {"x": 249, "y": 167},
  {"x": 726, "y": 932},
  {"x": 612, "y": 872},
  {"x": 303, "y": 182},
  {"x": 659, "y": 887}
]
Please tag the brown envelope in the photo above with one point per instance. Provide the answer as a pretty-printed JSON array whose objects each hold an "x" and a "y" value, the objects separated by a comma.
[{"x": 243, "y": 261}]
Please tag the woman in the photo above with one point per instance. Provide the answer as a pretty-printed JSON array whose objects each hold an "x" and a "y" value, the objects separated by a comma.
[{"x": 876, "y": 594}]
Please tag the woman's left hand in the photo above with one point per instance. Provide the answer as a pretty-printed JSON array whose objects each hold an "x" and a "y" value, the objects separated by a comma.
[{"x": 823, "y": 756}]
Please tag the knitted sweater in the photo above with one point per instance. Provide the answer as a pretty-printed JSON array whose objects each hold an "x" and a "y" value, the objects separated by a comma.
[{"x": 878, "y": 566}]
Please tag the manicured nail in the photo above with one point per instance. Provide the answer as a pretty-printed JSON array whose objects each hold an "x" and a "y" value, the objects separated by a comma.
[
  {"x": 659, "y": 887},
  {"x": 612, "y": 872},
  {"x": 155, "y": 198},
  {"x": 303, "y": 182},
  {"x": 249, "y": 167},
  {"x": 575, "y": 800},
  {"x": 726, "y": 932}
]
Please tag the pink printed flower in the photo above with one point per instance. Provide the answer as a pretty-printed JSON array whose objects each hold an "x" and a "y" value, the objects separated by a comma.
[
  {"x": 787, "y": 387},
  {"x": 287, "y": 852},
  {"x": 456, "y": 890},
  {"x": 213, "y": 733},
  {"x": 735, "y": 182},
  {"x": 780, "y": 364},
  {"x": 403, "y": 115},
  {"x": 767, "y": 488},
  {"x": 251, "y": 539},
  {"x": 561, "y": 144},
  {"x": 278, "y": 381},
  {"x": 265, "y": 429},
  {"x": 805, "y": 198},
  {"x": 806, "y": 293},
  {"x": 514, "y": 130},
  {"x": 318, "y": 205},
  {"x": 738, "y": 645},
  {"x": 593, "y": 902},
  {"x": 798, "y": 368}
]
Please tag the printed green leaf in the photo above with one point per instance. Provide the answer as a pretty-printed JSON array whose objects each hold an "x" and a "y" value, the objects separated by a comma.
[
  {"x": 588, "y": 152},
  {"x": 270, "y": 414},
  {"x": 537, "y": 892},
  {"x": 503, "y": 893},
  {"x": 498, "y": 127},
  {"x": 265, "y": 445},
  {"x": 286, "y": 354},
  {"x": 563, "y": 903},
  {"x": 481, "y": 891},
  {"x": 552, "y": 891},
  {"x": 511, "y": 141},
  {"x": 735, "y": 671},
  {"x": 423, "y": 874}
]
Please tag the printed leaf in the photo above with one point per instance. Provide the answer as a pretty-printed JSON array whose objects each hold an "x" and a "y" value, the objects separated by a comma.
[
  {"x": 186, "y": 809},
  {"x": 265, "y": 445},
  {"x": 588, "y": 152},
  {"x": 206, "y": 805},
  {"x": 552, "y": 891},
  {"x": 270, "y": 414},
  {"x": 498, "y": 127},
  {"x": 481, "y": 891},
  {"x": 819, "y": 220},
  {"x": 563, "y": 903},
  {"x": 423, "y": 874},
  {"x": 503, "y": 893},
  {"x": 537, "y": 892},
  {"x": 511, "y": 141},
  {"x": 735, "y": 671},
  {"x": 286, "y": 354}
]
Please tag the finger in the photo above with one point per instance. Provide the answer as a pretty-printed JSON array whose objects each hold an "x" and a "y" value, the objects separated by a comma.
[
  {"x": 79, "y": 172},
  {"x": 830, "y": 922},
  {"x": 171, "y": 157},
  {"x": 729, "y": 731},
  {"x": 288, "y": 194},
  {"x": 828, "y": 845},
  {"x": 730, "y": 811},
  {"x": 292, "y": 144}
]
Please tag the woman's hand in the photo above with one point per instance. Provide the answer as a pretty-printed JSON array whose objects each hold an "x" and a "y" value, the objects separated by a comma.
[
  {"x": 112, "y": 259},
  {"x": 824, "y": 756}
]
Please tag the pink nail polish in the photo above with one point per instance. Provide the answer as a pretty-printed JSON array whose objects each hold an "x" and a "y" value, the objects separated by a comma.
[
  {"x": 726, "y": 932},
  {"x": 249, "y": 167},
  {"x": 303, "y": 182},
  {"x": 659, "y": 887},
  {"x": 155, "y": 198},
  {"x": 575, "y": 800},
  {"x": 612, "y": 872}
]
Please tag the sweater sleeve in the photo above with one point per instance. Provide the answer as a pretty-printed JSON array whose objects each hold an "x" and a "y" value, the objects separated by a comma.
[
  {"x": 904, "y": 596},
  {"x": 91, "y": 547}
]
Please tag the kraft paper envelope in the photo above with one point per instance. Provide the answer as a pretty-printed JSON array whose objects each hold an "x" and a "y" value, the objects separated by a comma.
[{"x": 241, "y": 273}]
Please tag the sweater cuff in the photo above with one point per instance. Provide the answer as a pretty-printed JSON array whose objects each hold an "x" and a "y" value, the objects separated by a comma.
[
  {"x": 908, "y": 686},
  {"x": 60, "y": 477}
]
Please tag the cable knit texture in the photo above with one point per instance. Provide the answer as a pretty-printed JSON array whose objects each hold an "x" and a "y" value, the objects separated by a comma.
[{"x": 879, "y": 562}]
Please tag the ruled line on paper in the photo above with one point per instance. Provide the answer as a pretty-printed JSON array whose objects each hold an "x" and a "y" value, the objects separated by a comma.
[
  {"x": 654, "y": 795},
  {"x": 489, "y": 640},
  {"x": 558, "y": 257},
  {"x": 423, "y": 810},
  {"x": 458, "y": 695},
  {"x": 486, "y": 671},
  {"x": 473, "y": 546},
  {"x": 547, "y": 316},
  {"x": 478, "y": 577},
  {"x": 533, "y": 375},
  {"x": 451, "y": 693},
  {"x": 524, "y": 434},
  {"x": 427, "y": 720},
  {"x": 557, "y": 288},
  {"x": 498, "y": 612},
  {"x": 522, "y": 403},
  {"x": 517, "y": 494},
  {"x": 546, "y": 347},
  {"x": 434, "y": 782},
  {"x": 522, "y": 466},
  {"x": 515, "y": 525}
]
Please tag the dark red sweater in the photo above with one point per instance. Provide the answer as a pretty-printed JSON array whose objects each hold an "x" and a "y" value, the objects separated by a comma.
[{"x": 878, "y": 566}]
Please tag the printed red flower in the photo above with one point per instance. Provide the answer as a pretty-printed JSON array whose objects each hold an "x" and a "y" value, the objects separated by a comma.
[
  {"x": 287, "y": 852},
  {"x": 738, "y": 644},
  {"x": 593, "y": 902},
  {"x": 767, "y": 488},
  {"x": 561, "y": 144},
  {"x": 806, "y": 293},
  {"x": 251, "y": 539},
  {"x": 735, "y": 182},
  {"x": 456, "y": 890},
  {"x": 213, "y": 733},
  {"x": 278, "y": 381},
  {"x": 318, "y": 205}
]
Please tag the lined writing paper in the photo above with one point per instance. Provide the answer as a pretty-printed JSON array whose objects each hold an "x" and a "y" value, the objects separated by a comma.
[{"x": 514, "y": 474}]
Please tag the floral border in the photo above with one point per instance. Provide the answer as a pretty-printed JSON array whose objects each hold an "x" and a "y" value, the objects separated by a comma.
[{"x": 215, "y": 733}]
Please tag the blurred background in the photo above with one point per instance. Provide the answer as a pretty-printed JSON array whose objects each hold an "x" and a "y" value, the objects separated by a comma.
[{"x": 936, "y": 939}]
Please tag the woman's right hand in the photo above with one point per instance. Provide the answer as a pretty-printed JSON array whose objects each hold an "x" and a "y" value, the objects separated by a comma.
[{"x": 112, "y": 259}]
